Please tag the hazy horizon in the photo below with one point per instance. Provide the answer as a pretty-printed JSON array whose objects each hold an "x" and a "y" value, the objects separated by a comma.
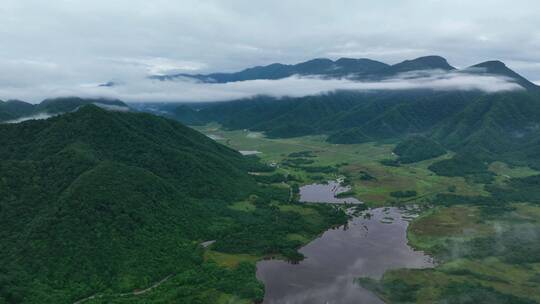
[{"x": 61, "y": 48}]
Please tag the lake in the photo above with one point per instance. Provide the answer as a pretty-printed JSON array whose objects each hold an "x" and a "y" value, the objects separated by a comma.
[
  {"x": 366, "y": 247},
  {"x": 326, "y": 193},
  {"x": 248, "y": 152}
]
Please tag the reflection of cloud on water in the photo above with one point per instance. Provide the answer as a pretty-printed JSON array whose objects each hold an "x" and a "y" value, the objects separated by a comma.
[
  {"x": 245, "y": 152},
  {"x": 254, "y": 135},
  {"x": 338, "y": 257},
  {"x": 343, "y": 288}
]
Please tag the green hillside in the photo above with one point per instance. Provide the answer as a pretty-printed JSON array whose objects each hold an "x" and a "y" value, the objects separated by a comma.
[
  {"x": 13, "y": 109},
  {"x": 102, "y": 202},
  {"x": 418, "y": 148},
  {"x": 498, "y": 126}
]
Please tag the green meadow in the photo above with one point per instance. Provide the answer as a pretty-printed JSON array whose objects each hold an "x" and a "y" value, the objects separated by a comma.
[{"x": 481, "y": 254}]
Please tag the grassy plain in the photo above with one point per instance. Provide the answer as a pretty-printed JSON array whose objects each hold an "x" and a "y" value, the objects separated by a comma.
[
  {"x": 449, "y": 234},
  {"x": 357, "y": 160},
  {"x": 465, "y": 272}
]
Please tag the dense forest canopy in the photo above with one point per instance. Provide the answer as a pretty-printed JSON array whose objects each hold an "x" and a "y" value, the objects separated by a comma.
[{"x": 95, "y": 201}]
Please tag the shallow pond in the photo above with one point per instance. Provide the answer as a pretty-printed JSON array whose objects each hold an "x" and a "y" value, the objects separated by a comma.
[
  {"x": 326, "y": 193},
  {"x": 245, "y": 152},
  {"x": 366, "y": 247}
]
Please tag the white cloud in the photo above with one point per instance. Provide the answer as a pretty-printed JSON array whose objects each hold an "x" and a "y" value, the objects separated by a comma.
[
  {"x": 38, "y": 116},
  {"x": 59, "y": 45},
  {"x": 161, "y": 66},
  {"x": 148, "y": 90}
]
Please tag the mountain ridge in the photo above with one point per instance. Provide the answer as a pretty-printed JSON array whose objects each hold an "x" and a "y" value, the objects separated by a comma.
[
  {"x": 13, "y": 110},
  {"x": 362, "y": 69}
]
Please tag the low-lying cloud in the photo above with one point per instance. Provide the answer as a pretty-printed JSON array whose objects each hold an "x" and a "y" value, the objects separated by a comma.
[
  {"x": 38, "y": 116},
  {"x": 150, "y": 90}
]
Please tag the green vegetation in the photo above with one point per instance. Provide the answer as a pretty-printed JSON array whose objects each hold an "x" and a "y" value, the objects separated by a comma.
[
  {"x": 365, "y": 176},
  {"x": 468, "y": 166},
  {"x": 520, "y": 189},
  {"x": 345, "y": 194},
  {"x": 371, "y": 181},
  {"x": 418, "y": 148},
  {"x": 302, "y": 154},
  {"x": 480, "y": 261},
  {"x": 13, "y": 109},
  {"x": 485, "y": 244},
  {"x": 390, "y": 162},
  {"x": 107, "y": 203},
  {"x": 297, "y": 162},
  {"x": 403, "y": 194},
  {"x": 348, "y": 136},
  {"x": 459, "y": 165},
  {"x": 499, "y": 126},
  {"x": 270, "y": 179}
]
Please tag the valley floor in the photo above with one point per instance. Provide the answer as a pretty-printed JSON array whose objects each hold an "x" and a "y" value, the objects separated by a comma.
[
  {"x": 461, "y": 237},
  {"x": 484, "y": 255}
]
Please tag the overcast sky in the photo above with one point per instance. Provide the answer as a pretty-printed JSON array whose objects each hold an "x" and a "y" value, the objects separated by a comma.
[{"x": 58, "y": 47}]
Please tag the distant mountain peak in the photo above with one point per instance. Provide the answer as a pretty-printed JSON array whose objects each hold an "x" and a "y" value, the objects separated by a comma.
[
  {"x": 497, "y": 67},
  {"x": 362, "y": 69},
  {"x": 490, "y": 64},
  {"x": 431, "y": 62}
]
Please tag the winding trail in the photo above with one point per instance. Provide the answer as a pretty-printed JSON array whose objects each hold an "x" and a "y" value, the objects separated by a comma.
[{"x": 125, "y": 294}]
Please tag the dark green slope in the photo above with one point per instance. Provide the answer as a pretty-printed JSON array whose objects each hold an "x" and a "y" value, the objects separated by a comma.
[
  {"x": 498, "y": 68},
  {"x": 104, "y": 202},
  {"x": 494, "y": 125},
  {"x": 417, "y": 148},
  {"x": 94, "y": 200},
  {"x": 183, "y": 153},
  {"x": 283, "y": 117},
  {"x": 13, "y": 109},
  {"x": 396, "y": 114},
  {"x": 378, "y": 115}
]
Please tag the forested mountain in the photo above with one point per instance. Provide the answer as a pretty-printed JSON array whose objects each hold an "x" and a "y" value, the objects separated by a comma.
[
  {"x": 496, "y": 67},
  {"x": 377, "y": 114},
  {"x": 15, "y": 109},
  {"x": 320, "y": 67},
  {"x": 488, "y": 125},
  {"x": 419, "y": 64},
  {"x": 98, "y": 201},
  {"x": 496, "y": 125}
]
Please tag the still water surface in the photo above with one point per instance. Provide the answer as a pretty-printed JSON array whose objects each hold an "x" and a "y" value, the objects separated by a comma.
[
  {"x": 326, "y": 193},
  {"x": 366, "y": 247}
]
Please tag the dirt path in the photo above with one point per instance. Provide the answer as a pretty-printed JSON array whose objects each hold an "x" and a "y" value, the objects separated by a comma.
[{"x": 125, "y": 294}]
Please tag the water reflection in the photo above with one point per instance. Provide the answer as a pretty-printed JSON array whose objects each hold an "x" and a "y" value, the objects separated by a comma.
[
  {"x": 366, "y": 248},
  {"x": 326, "y": 193},
  {"x": 244, "y": 152}
]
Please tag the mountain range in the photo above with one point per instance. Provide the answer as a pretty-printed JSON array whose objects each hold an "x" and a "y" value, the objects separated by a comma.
[
  {"x": 16, "y": 110},
  {"x": 356, "y": 69},
  {"x": 499, "y": 125}
]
